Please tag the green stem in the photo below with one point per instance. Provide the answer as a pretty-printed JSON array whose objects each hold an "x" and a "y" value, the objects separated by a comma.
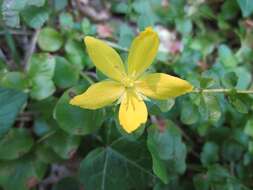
[
  {"x": 116, "y": 46},
  {"x": 46, "y": 136},
  {"x": 85, "y": 76},
  {"x": 12, "y": 46},
  {"x": 222, "y": 90}
]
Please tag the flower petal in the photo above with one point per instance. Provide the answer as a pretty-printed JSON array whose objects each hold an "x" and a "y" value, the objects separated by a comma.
[
  {"x": 99, "y": 95},
  {"x": 162, "y": 86},
  {"x": 142, "y": 52},
  {"x": 105, "y": 58},
  {"x": 132, "y": 113}
]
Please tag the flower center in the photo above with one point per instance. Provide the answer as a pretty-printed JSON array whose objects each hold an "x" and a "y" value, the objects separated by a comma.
[{"x": 128, "y": 82}]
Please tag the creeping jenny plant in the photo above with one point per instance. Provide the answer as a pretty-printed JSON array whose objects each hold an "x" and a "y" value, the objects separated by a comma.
[{"x": 129, "y": 85}]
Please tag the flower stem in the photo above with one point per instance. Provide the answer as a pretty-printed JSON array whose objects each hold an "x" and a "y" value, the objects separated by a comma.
[
  {"x": 46, "y": 136},
  {"x": 87, "y": 77},
  {"x": 116, "y": 46},
  {"x": 222, "y": 90}
]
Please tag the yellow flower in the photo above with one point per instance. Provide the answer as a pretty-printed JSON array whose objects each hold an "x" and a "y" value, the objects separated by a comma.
[{"x": 130, "y": 86}]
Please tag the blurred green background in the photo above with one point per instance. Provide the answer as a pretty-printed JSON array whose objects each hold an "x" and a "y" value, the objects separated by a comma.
[{"x": 200, "y": 141}]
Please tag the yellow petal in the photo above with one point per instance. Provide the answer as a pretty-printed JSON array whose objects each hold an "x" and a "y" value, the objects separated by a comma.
[
  {"x": 106, "y": 59},
  {"x": 132, "y": 112},
  {"x": 99, "y": 95},
  {"x": 142, "y": 52},
  {"x": 162, "y": 86}
]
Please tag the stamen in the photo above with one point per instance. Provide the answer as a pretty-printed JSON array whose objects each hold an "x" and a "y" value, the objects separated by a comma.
[{"x": 128, "y": 82}]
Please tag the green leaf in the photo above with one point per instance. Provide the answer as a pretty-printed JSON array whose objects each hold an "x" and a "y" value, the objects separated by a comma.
[
  {"x": 176, "y": 9},
  {"x": 38, "y": 3},
  {"x": 14, "y": 80},
  {"x": 250, "y": 147},
  {"x": 189, "y": 114},
  {"x": 229, "y": 9},
  {"x": 202, "y": 43},
  {"x": 184, "y": 26},
  {"x": 157, "y": 107},
  {"x": 123, "y": 164},
  {"x": 230, "y": 80},
  {"x": 246, "y": 7},
  {"x": 15, "y": 144},
  {"x": 217, "y": 174},
  {"x": 232, "y": 151},
  {"x": 248, "y": 129},
  {"x": 21, "y": 173},
  {"x": 101, "y": 76},
  {"x": 147, "y": 17},
  {"x": 126, "y": 35},
  {"x": 44, "y": 108},
  {"x": 206, "y": 82},
  {"x": 227, "y": 57},
  {"x": 66, "y": 21},
  {"x": 165, "y": 105},
  {"x": 2, "y": 64},
  {"x": 40, "y": 72},
  {"x": 174, "y": 184},
  {"x": 60, "y": 4},
  {"x": 217, "y": 178},
  {"x": 46, "y": 154},
  {"x": 11, "y": 102},
  {"x": 75, "y": 53},
  {"x": 201, "y": 182},
  {"x": 10, "y": 11},
  {"x": 167, "y": 150},
  {"x": 63, "y": 144},
  {"x": 240, "y": 102},
  {"x": 41, "y": 127},
  {"x": 35, "y": 16},
  {"x": 50, "y": 40},
  {"x": 141, "y": 6},
  {"x": 66, "y": 74},
  {"x": 87, "y": 28},
  {"x": 222, "y": 23},
  {"x": 244, "y": 78},
  {"x": 121, "y": 7},
  {"x": 145, "y": 20},
  {"x": 75, "y": 120},
  {"x": 213, "y": 108},
  {"x": 210, "y": 153},
  {"x": 67, "y": 183}
]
